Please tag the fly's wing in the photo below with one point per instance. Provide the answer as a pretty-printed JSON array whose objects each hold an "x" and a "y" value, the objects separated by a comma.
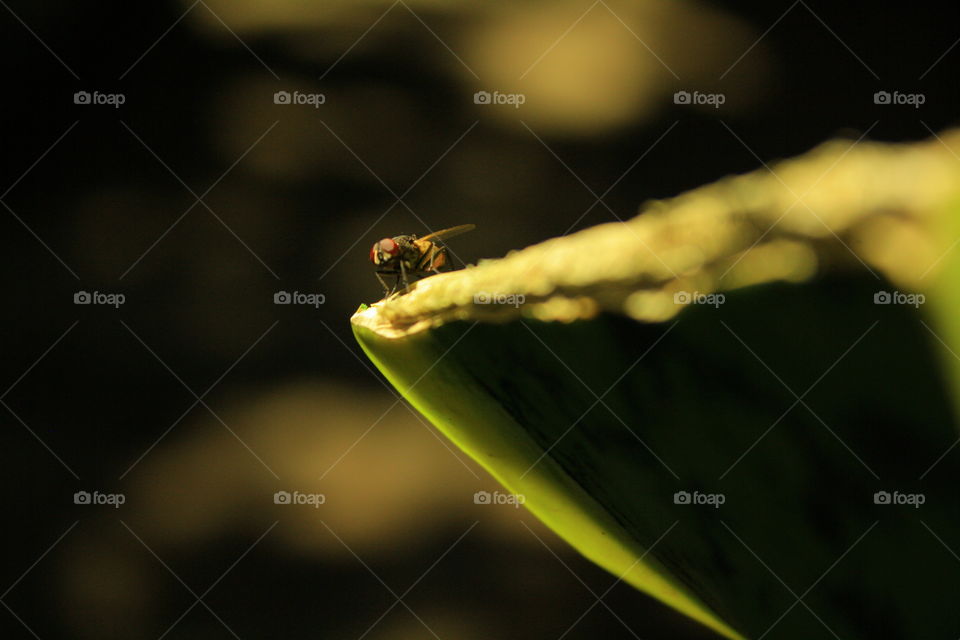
[{"x": 449, "y": 233}]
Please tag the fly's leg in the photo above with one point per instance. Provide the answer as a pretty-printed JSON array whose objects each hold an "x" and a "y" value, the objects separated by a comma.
[
  {"x": 435, "y": 252},
  {"x": 386, "y": 290},
  {"x": 403, "y": 276},
  {"x": 434, "y": 255}
]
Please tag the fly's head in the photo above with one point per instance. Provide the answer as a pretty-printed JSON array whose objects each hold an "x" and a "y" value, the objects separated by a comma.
[{"x": 385, "y": 253}]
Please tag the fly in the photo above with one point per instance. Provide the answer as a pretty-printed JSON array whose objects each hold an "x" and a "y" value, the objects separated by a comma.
[{"x": 409, "y": 257}]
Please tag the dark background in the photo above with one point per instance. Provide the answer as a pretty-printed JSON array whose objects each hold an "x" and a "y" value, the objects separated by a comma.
[{"x": 104, "y": 199}]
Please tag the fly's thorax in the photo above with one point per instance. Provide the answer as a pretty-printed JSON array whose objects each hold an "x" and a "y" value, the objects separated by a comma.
[{"x": 409, "y": 250}]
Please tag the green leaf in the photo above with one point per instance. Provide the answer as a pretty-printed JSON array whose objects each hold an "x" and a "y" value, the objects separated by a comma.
[{"x": 725, "y": 345}]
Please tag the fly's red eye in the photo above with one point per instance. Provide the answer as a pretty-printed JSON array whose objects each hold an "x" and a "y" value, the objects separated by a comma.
[
  {"x": 388, "y": 246},
  {"x": 373, "y": 253}
]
